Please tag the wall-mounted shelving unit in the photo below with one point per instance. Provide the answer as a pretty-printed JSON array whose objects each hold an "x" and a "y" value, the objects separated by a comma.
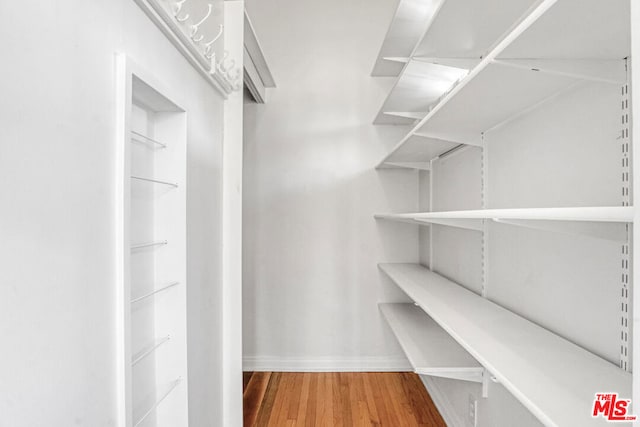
[
  {"x": 528, "y": 154},
  {"x": 429, "y": 348},
  {"x": 521, "y": 72},
  {"x": 151, "y": 252},
  {"x": 545, "y": 371},
  {"x": 419, "y": 86},
  {"x": 404, "y": 32},
  {"x": 535, "y": 218},
  {"x": 429, "y": 59}
]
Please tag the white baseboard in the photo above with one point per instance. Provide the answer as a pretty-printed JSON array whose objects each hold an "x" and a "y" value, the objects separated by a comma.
[
  {"x": 292, "y": 364},
  {"x": 443, "y": 404}
]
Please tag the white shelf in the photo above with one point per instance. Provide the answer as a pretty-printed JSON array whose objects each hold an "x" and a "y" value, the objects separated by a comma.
[
  {"x": 419, "y": 85},
  {"x": 170, "y": 388},
  {"x": 430, "y": 350},
  {"x": 405, "y": 30},
  {"x": 591, "y": 214},
  {"x": 411, "y": 115},
  {"x": 154, "y": 181},
  {"x": 552, "y": 377},
  {"x": 577, "y": 29},
  {"x": 155, "y": 291},
  {"x": 455, "y": 29},
  {"x": 149, "y": 244},
  {"x": 557, "y": 219},
  {"x": 425, "y": 166},
  {"x": 418, "y": 149},
  {"x": 469, "y": 224},
  {"x": 600, "y": 222},
  {"x": 148, "y": 350},
  {"x": 559, "y": 44},
  {"x": 142, "y": 138},
  {"x": 496, "y": 94},
  {"x": 398, "y": 217},
  {"x": 469, "y": 29}
]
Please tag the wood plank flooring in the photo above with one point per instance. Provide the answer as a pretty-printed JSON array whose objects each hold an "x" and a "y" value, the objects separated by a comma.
[{"x": 294, "y": 399}]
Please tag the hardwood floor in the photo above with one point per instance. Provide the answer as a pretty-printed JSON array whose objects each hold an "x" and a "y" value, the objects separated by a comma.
[{"x": 294, "y": 399}]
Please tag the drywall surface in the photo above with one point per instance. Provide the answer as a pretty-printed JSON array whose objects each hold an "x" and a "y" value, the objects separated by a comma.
[
  {"x": 232, "y": 390},
  {"x": 456, "y": 186},
  {"x": 457, "y": 254},
  {"x": 565, "y": 152},
  {"x": 311, "y": 245},
  {"x": 424, "y": 205},
  {"x": 57, "y": 296}
]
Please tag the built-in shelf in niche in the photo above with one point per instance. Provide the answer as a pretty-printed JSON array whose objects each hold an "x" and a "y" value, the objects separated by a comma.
[{"x": 152, "y": 257}]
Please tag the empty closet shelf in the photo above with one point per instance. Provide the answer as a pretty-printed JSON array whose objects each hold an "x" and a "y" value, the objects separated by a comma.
[
  {"x": 407, "y": 217},
  {"x": 552, "y": 377},
  {"x": 148, "y": 350},
  {"x": 430, "y": 350},
  {"x": 620, "y": 214},
  {"x": 154, "y": 181},
  {"x": 418, "y": 151},
  {"x": 139, "y": 137},
  {"x": 149, "y": 244},
  {"x": 152, "y": 293},
  {"x": 588, "y": 214},
  {"x": 469, "y": 224},
  {"x": 419, "y": 85},
  {"x": 508, "y": 83},
  {"x": 159, "y": 400}
]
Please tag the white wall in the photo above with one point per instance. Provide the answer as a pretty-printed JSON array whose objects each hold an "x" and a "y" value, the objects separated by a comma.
[
  {"x": 57, "y": 294},
  {"x": 311, "y": 285},
  {"x": 457, "y": 186},
  {"x": 424, "y": 205},
  {"x": 232, "y": 227},
  {"x": 457, "y": 255},
  {"x": 563, "y": 153}
]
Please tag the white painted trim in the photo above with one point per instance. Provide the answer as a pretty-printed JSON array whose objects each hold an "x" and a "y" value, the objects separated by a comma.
[
  {"x": 252, "y": 80},
  {"x": 121, "y": 241},
  {"x": 231, "y": 386},
  {"x": 171, "y": 29},
  {"x": 339, "y": 364},
  {"x": 443, "y": 404},
  {"x": 256, "y": 54}
]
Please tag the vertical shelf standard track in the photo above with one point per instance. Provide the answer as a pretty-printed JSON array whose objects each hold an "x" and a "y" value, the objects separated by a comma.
[{"x": 625, "y": 357}]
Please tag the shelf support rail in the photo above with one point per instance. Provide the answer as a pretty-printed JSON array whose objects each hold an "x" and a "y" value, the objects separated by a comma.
[
  {"x": 626, "y": 273},
  {"x": 484, "y": 256}
]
